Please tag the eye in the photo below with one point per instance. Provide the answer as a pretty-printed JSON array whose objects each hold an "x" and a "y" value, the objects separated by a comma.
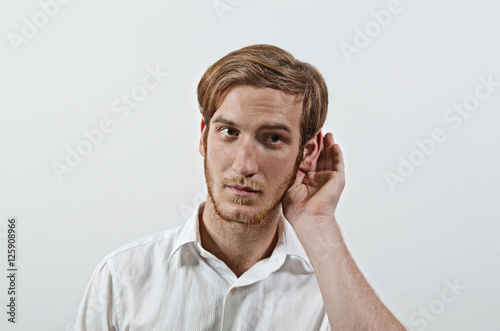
[
  {"x": 229, "y": 132},
  {"x": 273, "y": 138}
]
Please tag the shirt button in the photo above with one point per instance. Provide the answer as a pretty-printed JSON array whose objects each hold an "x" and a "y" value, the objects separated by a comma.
[{"x": 234, "y": 290}]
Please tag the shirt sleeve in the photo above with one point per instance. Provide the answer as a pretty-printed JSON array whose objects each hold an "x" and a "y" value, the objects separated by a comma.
[{"x": 100, "y": 306}]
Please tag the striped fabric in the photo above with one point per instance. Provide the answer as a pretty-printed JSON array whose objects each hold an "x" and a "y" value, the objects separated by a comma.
[{"x": 167, "y": 281}]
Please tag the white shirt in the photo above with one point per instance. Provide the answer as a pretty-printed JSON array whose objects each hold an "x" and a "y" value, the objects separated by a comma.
[{"x": 168, "y": 281}]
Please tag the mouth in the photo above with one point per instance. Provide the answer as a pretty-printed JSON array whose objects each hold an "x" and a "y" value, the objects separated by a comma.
[{"x": 243, "y": 190}]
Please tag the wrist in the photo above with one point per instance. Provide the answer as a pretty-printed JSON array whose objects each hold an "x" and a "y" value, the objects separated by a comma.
[{"x": 321, "y": 238}]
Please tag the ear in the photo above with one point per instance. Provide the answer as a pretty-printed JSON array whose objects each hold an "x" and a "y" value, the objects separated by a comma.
[
  {"x": 200, "y": 147},
  {"x": 312, "y": 151}
]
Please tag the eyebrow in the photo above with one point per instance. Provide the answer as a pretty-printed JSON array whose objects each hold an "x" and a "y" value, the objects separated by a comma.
[
  {"x": 283, "y": 127},
  {"x": 222, "y": 120},
  {"x": 278, "y": 127}
]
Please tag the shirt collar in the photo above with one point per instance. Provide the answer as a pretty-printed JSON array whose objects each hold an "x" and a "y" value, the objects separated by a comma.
[{"x": 190, "y": 233}]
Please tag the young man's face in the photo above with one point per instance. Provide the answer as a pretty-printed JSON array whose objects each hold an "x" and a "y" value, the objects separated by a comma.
[{"x": 251, "y": 152}]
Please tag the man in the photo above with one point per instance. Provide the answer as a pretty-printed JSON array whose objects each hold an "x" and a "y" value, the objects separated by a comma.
[{"x": 264, "y": 251}]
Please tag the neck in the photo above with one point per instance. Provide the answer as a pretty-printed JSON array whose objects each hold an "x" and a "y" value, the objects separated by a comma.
[{"x": 238, "y": 245}]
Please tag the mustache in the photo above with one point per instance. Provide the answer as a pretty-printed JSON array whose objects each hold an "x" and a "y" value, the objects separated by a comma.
[{"x": 242, "y": 181}]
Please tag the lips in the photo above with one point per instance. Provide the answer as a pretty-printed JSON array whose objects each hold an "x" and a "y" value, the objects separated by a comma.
[{"x": 242, "y": 190}]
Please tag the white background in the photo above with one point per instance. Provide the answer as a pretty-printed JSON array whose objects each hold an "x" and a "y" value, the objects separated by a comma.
[{"x": 438, "y": 225}]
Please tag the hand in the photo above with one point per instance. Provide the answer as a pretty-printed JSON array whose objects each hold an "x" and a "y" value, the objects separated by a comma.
[{"x": 315, "y": 194}]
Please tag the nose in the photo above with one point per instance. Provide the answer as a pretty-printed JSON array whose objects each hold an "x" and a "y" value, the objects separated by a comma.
[{"x": 245, "y": 159}]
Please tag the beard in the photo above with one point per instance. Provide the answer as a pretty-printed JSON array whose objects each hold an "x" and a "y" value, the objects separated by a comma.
[{"x": 260, "y": 217}]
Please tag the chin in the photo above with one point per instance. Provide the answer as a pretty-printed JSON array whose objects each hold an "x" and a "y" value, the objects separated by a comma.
[
  {"x": 249, "y": 215},
  {"x": 238, "y": 211}
]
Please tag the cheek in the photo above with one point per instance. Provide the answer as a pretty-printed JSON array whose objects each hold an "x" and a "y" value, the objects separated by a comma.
[
  {"x": 279, "y": 167},
  {"x": 218, "y": 157}
]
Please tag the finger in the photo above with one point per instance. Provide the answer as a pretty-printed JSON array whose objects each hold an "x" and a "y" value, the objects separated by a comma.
[
  {"x": 317, "y": 165},
  {"x": 321, "y": 159},
  {"x": 299, "y": 178},
  {"x": 330, "y": 137},
  {"x": 338, "y": 157},
  {"x": 329, "y": 151}
]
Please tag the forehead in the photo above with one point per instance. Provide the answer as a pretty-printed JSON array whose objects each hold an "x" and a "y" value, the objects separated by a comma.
[{"x": 260, "y": 104}]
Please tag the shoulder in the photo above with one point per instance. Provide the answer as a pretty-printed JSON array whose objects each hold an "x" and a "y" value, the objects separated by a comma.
[
  {"x": 152, "y": 242},
  {"x": 142, "y": 255}
]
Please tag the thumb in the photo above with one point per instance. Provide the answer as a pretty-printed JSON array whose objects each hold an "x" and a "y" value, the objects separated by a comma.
[
  {"x": 299, "y": 178},
  {"x": 295, "y": 193},
  {"x": 292, "y": 199}
]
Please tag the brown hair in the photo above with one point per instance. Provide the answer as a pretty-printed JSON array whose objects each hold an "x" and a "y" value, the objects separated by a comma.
[{"x": 266, "y": 66}]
